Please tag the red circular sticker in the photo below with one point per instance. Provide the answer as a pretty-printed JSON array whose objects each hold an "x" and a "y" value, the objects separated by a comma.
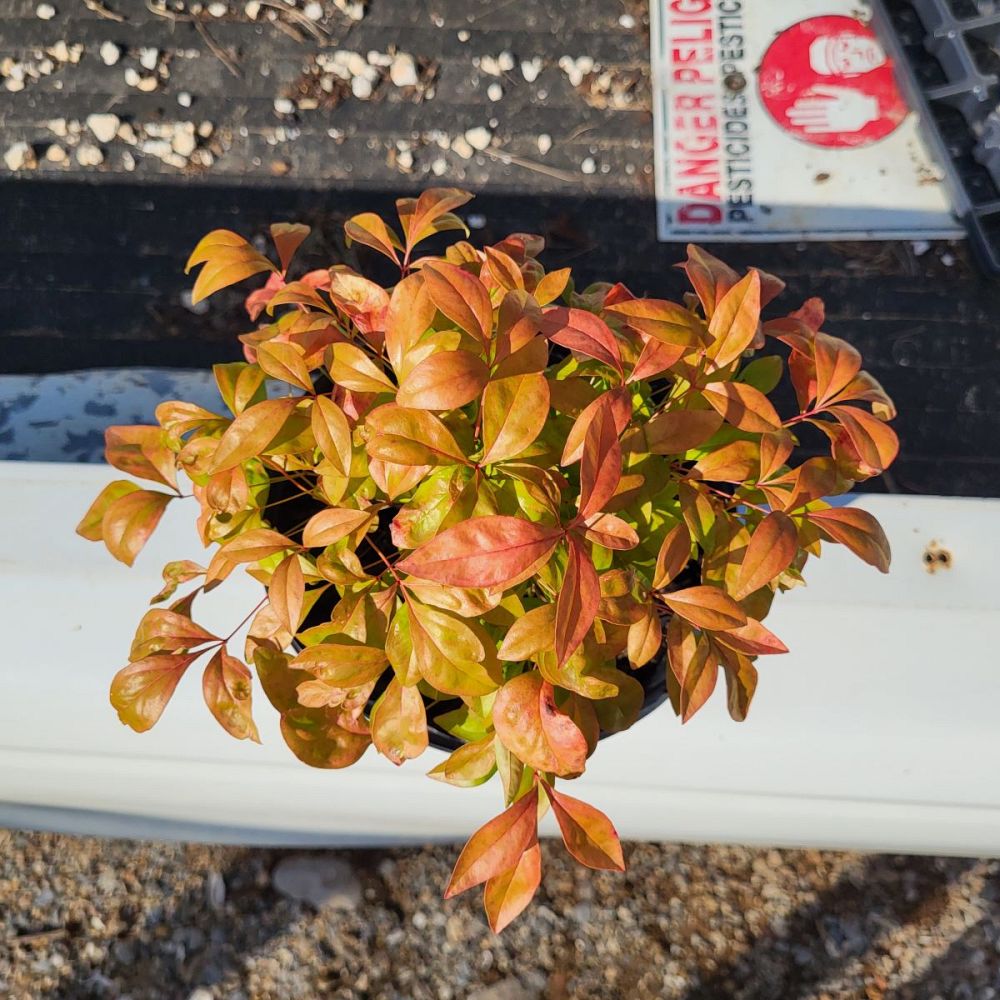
[{"x": 829, "y": 82}]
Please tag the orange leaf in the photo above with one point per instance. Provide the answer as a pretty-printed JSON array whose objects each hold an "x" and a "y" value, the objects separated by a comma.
[
  {"x": 164, "y": 631},
  {"x": 411, "y": 437},
  {"x": 332, "y": 432},
  {"x": 409, "y": 316},
  {"x": 90, "y": 526},
  {"x": 584, "y": 333},
  {"x": 753, "y": 639},
  {"x": 286, "y": 592},
  {"x": 351, "y": 368},
  {"x": 534, "y": 730},
  {"x": 333, "y": 524},
  {"x": 514, "y": 412},
  {"x": 431, "y": 213},
  {"x": 551, "y": 286},
  {"x": 587, "y": 833},
  {"x": 600, "y": 463},
  {"x": 837, "y": 362},
  {"x": 578, "y": 601},
  {"x": 611, "y": 531},
  {"x": 619, "y": 404},
  {"x": 495, "y": 551},
  {"x": 140, "y": 691},
  {"x": 141, "y": 451},
  {"x": 342, "y": 662},
  {"x": 254, "y": 545},
  {"x": 504, "y": 270},
  {"x": 875, "y": 442},
  {"x": 287, "y": 238},
  {"x": 497, "y": 846},
  {"x": 284, "y": 362},
  {"x": 770, "y": 552},
  {"x": 856, "y": 529},
  {"x": 369, "y": 229},
  {"x": 462, "y": 297},
  {"x": 706, "y": 607},
  {"x": 735, "y": 462},
  {"x": 506, "y": 895},
  {"x": 251, "y": 432},
  {"x": 468, "y": 766},
  {"x": 743, "y": 406},
  {"x": 227, "y": 259},
  {"x": 130, "y": 520},
  {"x": 709, "y": 277},
  {"x": 645, "y": 638},
  {"x": 444, "y": 381},
  {"x": 674, "y": 555},
  {"x": 529, "y": 634},
  {"x": 399, "y": 723},
  {"x": 226, "y": 687},
  {"x": 666, "y": 322},
  {"x": 694, "y": 668},
  {"x": 734, "y": 323},
  {"x": 677, "y": 432}
]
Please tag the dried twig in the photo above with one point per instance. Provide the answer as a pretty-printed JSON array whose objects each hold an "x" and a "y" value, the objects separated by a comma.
[
  {"x": 39, "y": 937},
  {"x": 314, "y": 29},
  {"x": 217, "y": 50},
  {"x": 538, "y": 168},
  {"x": 101, "y": 11}
]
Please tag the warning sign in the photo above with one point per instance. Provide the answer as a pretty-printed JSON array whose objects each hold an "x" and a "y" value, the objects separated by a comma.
[{"x": 784, "y": 121}]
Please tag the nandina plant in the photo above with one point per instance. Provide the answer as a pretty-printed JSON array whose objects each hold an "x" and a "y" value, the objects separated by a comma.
[{"x": 481, "y": 502}]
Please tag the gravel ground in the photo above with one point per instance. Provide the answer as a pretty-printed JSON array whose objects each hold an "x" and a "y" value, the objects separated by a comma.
[{"x": 84, "y": 917}]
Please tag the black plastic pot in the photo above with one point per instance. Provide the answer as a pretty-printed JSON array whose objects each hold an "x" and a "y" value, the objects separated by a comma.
[{"x": 287, "y": 510}]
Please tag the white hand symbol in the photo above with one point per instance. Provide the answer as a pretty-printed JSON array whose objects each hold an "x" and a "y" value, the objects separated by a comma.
[{"x": 833, "y": 109}]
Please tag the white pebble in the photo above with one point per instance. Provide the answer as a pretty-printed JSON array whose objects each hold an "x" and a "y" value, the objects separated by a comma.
[
  {"x": 490, "y": 65},
  {"x": 494, "y": 92},
  {"x": 506, "y": 61},
  {"x": 127, "y": 134},
  {"x": 361, "y": 88},
  {"x": 56, "y": 154},
  {"x": 88, "y": 155},
  {"x": 627, "y": 21},
  {"x": 110, "y": 53},
  {"x": 252, "y": 9},
  {"x": 284, "y": 106},
  {"x": 357, "y": 64},
  {"x": 404, "y": 161},
  {"x": 104, "y": 127},
  {"x": 147, "y": 84},
  {"x": 45, "y": 11},
  {"x": 530, "y": 69},
  {"x": 218, "y": 9},
  {"x": 403, "y": 72},
  {"x": 57, "y": 126},
  {"x": 131, "y": 77},
  {"x": 314, "y": 10},
  {"x": 460, "y": 145},
  {"x": 439, "y": 166},
  {"x": 463, "y": 35},
  {"x": 184, "y": 99},
  {"x": 20, "y": 156},
  {"x": 148, "y": 58},
  {"x": 205, "y": 129},
  {"x": 479, "y": 138},
  {"x": 544, "y": 143},
  {"x": 184, "y": 142},
  {"x": 128, "y": 161},
  {"x": 588, "y": 166},
  {"x": 920, "y": 247}
]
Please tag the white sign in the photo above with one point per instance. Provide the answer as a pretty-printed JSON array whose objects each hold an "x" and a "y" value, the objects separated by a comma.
[{"x": 777, "y": 121}]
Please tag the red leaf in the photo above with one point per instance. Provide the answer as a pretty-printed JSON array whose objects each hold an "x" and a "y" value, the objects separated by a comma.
[
  {"x": 446, "y": 380},
  {"x": 875, "y": 442},
  {"x": 770, "y": 552},
  {"x": 587, "y": 833},
  {"x": 578, "y": 601},
  {"x": 743, "y": 406},
  {"x": 674, "y": 555},
  {"x": 584, "y": 333},
  {"x": 694, "y": 668},
  {"x": 497, "y": 846},
  {"x": 734, "y": 323},
  {"x": 140, "y": 691},
  {"x": 506, "y": 895},
  {"x": 856, "y": 529},
  {"x": 706, "y": 607},
  {"x": 600, "y": 464},
  {"x": 753, "y": 639},
  {"x": 535, "y": 731},
  {"x": 288, "y": 237},
  {"x": 462, "y": 297},
  {"x": 496, "y": 551}
]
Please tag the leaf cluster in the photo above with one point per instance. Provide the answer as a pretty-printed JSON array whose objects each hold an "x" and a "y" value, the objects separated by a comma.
[{"x": 509, "y": 484}]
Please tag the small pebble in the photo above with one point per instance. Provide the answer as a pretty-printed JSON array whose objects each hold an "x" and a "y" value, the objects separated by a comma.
[
  {"x": 362, "y": 88},
  {"x": 132, "y": 77},
  {"x": 403, "y": 71},
  {"x": 104, "y": 127},
  {"x": 148, "y": 58},
  {"x": 110, "y": 53},
  {"x": 56, "y": 154},
  {"x": 314, "y": 10},
  {"x": 479, "y": 138},
  {"x": 404, "y": 161},
  {"x": 494, "y": 92},
  {"x": 439, "y": 167},
  {"x": 147, "y": 84},
  {"x": 530, "y": 69},
  {"x": 588, "y": 166},
  {"x": 461, "y": 146},
  {"x": 463, "y": 35},
  {"x": 89, "y": 155},
  {"x": 20, "y": 156},
  {"x": 544, "y": 143},
  {"x": 506, "y": 61},
  {"x": 284, "y": 106},
  {"x": 45, "y": 11},
  {"x": 627, "y": 21},
  {"x": 57, "y": 126},
  {"x": 920, "y": 247},
  {"x": 218, "y": 9},
  {"x": 252, "y": 9},
  {"x": 184, "y": 99}
]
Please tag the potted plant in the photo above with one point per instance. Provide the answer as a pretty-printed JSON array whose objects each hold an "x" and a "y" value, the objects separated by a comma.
[{"x": 491, "y": 512}]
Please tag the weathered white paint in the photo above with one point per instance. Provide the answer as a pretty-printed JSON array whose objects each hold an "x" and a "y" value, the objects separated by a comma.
[{"x": 878, "y": 730}]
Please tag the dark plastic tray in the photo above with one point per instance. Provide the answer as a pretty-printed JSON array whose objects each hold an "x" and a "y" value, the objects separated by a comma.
[{"x": 947, "y": 56}]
